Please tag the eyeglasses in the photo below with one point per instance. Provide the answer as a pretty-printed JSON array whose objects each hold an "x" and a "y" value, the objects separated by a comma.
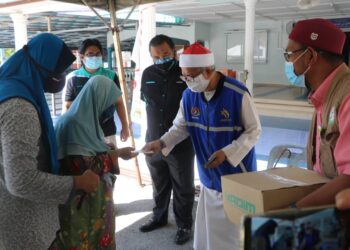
[
  {"x": 287, "y": 54},
  {"x": 190, "y": 78},
  {"x": 187, "y": 78}
]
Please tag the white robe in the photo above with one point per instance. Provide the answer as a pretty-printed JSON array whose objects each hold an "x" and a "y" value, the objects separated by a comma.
[{"x": 213, "y": 230}]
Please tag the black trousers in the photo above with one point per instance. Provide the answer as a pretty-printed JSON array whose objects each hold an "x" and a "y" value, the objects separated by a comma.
[{"x": 173, "y": 172}]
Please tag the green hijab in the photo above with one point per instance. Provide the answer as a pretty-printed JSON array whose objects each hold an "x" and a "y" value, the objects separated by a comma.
[{"x": 78, "y": 131}]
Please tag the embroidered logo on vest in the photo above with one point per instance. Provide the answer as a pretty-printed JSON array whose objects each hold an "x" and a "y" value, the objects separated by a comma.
[
  {"x": 226, "y": 115},
  {"x": 195, "y": 112}
]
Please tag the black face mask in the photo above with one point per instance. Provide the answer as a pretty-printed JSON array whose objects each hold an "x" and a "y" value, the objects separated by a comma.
[
  {"x": 53, "y": 82},
  {"x": 166, "y": 66}
]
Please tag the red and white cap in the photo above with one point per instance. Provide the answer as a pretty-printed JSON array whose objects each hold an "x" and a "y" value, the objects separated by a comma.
[{"x": 196, "y": 56}]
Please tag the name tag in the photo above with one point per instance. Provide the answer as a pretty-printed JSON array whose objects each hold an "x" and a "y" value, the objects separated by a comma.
[{"x": 179, "y": 82}]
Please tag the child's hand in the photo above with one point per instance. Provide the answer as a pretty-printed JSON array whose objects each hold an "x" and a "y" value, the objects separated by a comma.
[{"x": 127, "y": 153}]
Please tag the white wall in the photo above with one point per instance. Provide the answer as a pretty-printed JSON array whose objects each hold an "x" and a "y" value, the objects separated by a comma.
[
  {"x": 202, "y": 32},
  {"x": 273, "y": 70},
  {"x": 181, "y": 32}
]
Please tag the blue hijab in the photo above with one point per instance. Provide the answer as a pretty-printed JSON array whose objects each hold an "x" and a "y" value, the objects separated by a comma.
[
  {"x": 78, "y": 131},
  {"x": 19, "y": 77}
]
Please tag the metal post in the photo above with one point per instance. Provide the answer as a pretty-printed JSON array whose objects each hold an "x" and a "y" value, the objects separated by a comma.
[
  {"x": 53, "y": 100},
  {"x": 249, "y": 42},
  {"x": 119, "y": 63}
]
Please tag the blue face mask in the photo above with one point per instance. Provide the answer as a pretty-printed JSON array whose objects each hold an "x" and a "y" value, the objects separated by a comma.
[
  {"x": 292, "y": 77},
  {"x": 93, "y": 62},
  {"x": 163, "y": 60},
  {"x": 296, "y": 80}
]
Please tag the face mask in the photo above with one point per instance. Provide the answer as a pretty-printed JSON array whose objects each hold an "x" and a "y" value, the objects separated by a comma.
[
  {"x": 292, "y": 77},
  {"x": 166, "y": 65},
  {"x": 296, "y": 80},
  {"x": 199, "y": 84},
  {"x": 163, "y": 60},
  {"x": 54, "y": 82},
  {"x": 93, "y": 62}
]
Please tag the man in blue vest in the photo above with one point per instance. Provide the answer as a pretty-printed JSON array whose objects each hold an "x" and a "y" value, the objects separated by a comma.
[{"x": 218, "y": 114}]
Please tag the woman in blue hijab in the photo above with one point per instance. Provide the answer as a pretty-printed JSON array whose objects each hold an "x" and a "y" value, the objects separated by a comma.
[
  {"x": 29, "y": 191},
  {"x": 88, "y": 221}
]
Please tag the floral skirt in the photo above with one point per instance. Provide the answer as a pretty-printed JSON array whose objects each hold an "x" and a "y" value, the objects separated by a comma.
[{"x": 87, "y": 221}]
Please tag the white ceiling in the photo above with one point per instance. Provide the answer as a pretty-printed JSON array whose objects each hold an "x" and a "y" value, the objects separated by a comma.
[{"x": 225, "y": 10}]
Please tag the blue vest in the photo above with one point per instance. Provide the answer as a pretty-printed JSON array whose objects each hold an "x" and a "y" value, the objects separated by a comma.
[{"x": 215, "y": 124}]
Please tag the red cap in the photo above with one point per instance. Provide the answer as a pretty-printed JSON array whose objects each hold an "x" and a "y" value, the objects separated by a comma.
[
  {"x": 319, "y": 34},
  {"x": 196, "y": 56}
]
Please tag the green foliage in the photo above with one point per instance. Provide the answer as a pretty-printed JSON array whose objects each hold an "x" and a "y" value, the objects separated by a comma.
[{"x": 9, "y": 52}]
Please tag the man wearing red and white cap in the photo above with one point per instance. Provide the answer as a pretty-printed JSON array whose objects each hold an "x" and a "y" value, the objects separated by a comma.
[
  {"x": 314, "y": 58},
  {"x": 218, "y": 114}
]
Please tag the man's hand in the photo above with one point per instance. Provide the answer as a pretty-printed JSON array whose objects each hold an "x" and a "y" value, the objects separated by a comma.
[
  {"x": 216, "y": 159},
  {"x": 126, "y": 153},
  {"x": 342, "y": 199},
  {"x": 124, "y": 134},
  {"x": 87, "y": 182},
  {"x": 153, "y": 147}
]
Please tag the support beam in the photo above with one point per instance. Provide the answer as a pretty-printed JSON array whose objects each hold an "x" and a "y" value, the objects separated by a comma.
[
  {"x": 249, "y": 42},
  {"x": 20, "y": 27},
  {"x": 121, "y": 74},
  {"x": 53, "y": 100}
]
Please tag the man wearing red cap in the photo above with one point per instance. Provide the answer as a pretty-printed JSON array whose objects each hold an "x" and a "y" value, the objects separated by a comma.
[
  {"x": 314, "y": 58},
  {"x": 217, "y": 113}
]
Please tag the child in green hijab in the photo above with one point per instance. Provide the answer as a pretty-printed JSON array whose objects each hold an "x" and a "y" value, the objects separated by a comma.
[{"x": 88, "y": 221}]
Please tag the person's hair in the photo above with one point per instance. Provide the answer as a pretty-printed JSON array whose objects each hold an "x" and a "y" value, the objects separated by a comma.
[
  {"x": 331, "y": 57},
  {"x": 159, "y": 40},
  {"x": 89, "y": 42}
]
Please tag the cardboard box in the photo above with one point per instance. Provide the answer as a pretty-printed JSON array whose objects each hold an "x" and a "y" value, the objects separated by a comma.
[{"x": 259, "y": 192}]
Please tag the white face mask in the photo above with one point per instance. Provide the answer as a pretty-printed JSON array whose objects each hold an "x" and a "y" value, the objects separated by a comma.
[{"x": 198, "y": 84}]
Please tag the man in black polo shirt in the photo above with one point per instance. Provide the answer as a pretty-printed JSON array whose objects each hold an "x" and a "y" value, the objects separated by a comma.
[{"x": 161, "y": 90}]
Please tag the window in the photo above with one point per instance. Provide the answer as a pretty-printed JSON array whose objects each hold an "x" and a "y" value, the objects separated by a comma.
[{"x": 235, "y": 47}]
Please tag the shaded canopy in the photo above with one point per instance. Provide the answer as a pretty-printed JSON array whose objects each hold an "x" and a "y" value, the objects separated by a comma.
[
  {"x": 120, "y": 4},
  {"x": 128, "y": 44}
]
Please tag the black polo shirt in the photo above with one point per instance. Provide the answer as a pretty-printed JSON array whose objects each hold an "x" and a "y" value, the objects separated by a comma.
[{"x": 161, "y": 90}]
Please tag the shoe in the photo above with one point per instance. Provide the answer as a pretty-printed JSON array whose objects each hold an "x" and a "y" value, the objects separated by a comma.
[
  {"x": 152, "y": 225},
  {"x": 182, "y": 235}
]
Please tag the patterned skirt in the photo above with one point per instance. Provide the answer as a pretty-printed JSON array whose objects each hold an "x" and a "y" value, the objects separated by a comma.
[{"x": 87, "y": 221}]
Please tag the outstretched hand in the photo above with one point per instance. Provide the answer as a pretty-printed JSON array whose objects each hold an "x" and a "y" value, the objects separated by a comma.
[
  {"x": 153, "y": 147},
  {"x": 127, "y": 153},
  {"x": 342, "y": 199}
]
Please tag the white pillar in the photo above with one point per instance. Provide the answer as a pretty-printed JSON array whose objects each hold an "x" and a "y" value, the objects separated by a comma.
[
  {"x": 141, "y": 56},
  {"x": 20, "y": 27},
  {"x": 249, "y": 41},
  {"x": 146, "y": 31}
]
